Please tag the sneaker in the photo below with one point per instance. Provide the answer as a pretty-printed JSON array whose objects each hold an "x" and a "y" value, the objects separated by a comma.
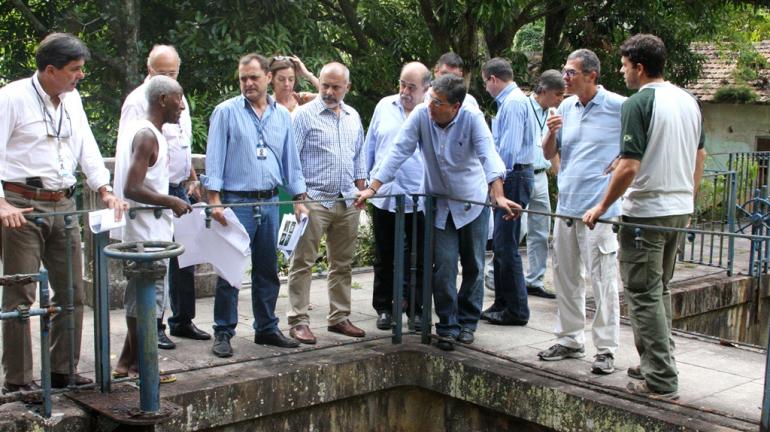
[
  {"x": 635, "y": 372},
  {"x": 222, "y": 346},
  {"x": 561, "y": 352},
  {"x": 641, "y": 388},
  {"x": 603, "y": 364}
]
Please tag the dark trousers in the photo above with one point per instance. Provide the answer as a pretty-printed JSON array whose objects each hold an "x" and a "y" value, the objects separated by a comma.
[
  {"x": 510, "y": 287},
  {"x": 181, "y": 286},
  {"x": 384, "y": 226}
]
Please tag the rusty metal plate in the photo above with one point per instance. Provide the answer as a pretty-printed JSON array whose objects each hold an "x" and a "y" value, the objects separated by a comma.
[{"x": 122, "y": 406}]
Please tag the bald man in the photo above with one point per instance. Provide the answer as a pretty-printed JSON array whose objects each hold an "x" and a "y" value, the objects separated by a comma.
[
  {"x": 183, "y": 182},
  {"x": 330, "y": 140},
  {"x": 389, "y": 115}
]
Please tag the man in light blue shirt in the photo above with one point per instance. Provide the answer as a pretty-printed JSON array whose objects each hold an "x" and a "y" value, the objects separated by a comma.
[
  {"x": 460, "y": 162},
  {"x": 512, "y": 133},
  {"x": 389, "y": 115},
  {"x": 548, "y": 93},
  {"x": 250, "y": 153},
  {"x": 586, "y": 132}
]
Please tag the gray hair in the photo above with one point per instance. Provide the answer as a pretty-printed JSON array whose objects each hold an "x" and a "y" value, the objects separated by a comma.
[
  {"x": 339, "y": 67},
  {"x": 161, "y": 85},
  {"x": 549, "y": 80},
  {"x": 588, "y": 61},
  {"x": 451, "y": 86}
]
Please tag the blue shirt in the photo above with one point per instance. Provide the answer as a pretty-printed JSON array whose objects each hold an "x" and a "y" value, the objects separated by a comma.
[
  {"x": 331, "y": 150},
  {"x": 459, "y": 159},
  {"x": 511, "y": 127},
  {"x": 589, "y": 141},
  {"x": 386, "y": 122},
  {"x": 233, "y": 161},
  {"x": 537, "y": 118}
]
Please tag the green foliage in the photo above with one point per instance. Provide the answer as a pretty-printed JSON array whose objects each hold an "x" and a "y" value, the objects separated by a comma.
[
  {"x": 749, "y": 63},
  {"x": 739, "y": 94}
]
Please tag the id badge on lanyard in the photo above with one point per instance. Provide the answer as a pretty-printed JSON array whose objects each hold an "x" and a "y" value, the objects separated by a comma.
[{"x": 261, "y": 150}]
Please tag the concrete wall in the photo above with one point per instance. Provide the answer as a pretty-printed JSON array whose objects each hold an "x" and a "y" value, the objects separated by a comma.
[{"x": 733, "y": 127}]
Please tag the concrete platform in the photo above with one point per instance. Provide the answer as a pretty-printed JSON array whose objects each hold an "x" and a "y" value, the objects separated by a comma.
[{"x": 721, "y": 386}]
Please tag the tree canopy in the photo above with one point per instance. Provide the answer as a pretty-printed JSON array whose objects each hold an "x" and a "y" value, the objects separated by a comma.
[{"x": 373, "y": 37}]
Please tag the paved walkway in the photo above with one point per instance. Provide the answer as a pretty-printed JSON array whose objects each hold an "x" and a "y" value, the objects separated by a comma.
[{"x": 722, "y": 379}]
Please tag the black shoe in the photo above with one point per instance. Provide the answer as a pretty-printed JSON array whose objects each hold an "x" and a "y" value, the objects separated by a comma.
[
  {"x": 12, "y": 388},
  {"x": 384, "y": 321},
  {"x": 275, "y": 339},
  {"x": 540, "y": 292},
  {"x": 189, "y": 331},
  {"x": 504, "y": 318},
  {"x": 163, "y": 341},
  {"x": 489, "y": 310},
  {"x": 62, "y": 380},
  {"x": 445, "y": 344},
  {"x": 465, "y": 336},
  {"x": 222, "y": 346}
]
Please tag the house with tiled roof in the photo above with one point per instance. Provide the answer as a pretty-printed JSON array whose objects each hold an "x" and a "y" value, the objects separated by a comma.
[{"x": 734, "y": 88}]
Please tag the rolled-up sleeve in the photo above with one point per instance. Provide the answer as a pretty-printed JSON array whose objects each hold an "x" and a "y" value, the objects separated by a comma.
[{"x": 216, "y": 150}]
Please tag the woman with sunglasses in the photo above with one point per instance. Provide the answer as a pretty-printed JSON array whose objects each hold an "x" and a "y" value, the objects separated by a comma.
[{"x": 285, "y": 70}]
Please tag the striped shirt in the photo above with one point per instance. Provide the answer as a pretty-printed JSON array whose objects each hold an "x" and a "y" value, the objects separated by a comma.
[
  {"x": 331, "y": 150},
  {"x": 589, "y": 140},
  {"x": 246, "y": 153},
  {"x": 511, "y": 127}
]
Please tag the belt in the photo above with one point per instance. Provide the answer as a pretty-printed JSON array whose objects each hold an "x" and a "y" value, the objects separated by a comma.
[
  {"x": 263, "y": 194},
  {"x": 37, "y": 194},
  {"x": 521, "y": 167},
  {"x": 541, "y": 170}
]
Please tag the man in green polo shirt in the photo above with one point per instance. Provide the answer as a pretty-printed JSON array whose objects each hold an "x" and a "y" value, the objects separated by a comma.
[{"x": 659, "y": 171}]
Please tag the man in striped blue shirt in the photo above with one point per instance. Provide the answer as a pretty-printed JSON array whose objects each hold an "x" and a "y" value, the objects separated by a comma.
[
  {"x": 250, "y": 153},
  {"x": 330, "y": 139},
  {"x": 512, "y": 133}
]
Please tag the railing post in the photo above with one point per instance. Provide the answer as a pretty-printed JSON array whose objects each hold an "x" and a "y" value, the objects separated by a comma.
[
  {"x": 45, "y": 343},
  {"x": 732, "y": 202},
  {"x": 398, "y": 270},
  {"x": 101, "y": 313},
  {"x": 413, "y": 264},
  {"x": 427, "y": 270}
]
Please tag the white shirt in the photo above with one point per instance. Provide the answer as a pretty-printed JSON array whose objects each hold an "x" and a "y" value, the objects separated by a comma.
[
  {"x": 144, "y": 226},
  {"x": 178, "y": 135},
  {"x": 28, "y": 144}
]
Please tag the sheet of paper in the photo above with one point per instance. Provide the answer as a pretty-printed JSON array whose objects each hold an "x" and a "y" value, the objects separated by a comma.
[
  {"x": 226, "y": 248},
  {"x": 290, "y": 233},
  {"x": 104, "y": 220}
]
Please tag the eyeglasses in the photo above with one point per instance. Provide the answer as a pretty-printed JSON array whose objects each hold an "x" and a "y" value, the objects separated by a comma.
[
  {"x": 570, "y": 73},
  {"x": 437, "y": 102}
]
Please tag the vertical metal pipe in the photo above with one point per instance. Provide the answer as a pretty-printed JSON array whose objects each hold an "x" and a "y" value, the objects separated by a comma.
[
  {"x": 731, "y": 205},
  {"x": 45, "y": 344},
  {"x": 70, "y": 307},
  {"x": 398, "y": 270},
  {"x": 102, "y": 313},
  {"x": 149, "y": 379},
  {"x": 413, "y": 264},
  {"x": 427, "y": 270}
]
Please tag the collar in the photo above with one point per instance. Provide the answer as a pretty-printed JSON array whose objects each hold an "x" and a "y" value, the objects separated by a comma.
[
  {"x": 598, "y": 98},
  {"x": 536, "y": 104},
  {"x": 270, "y": 101},
  {"x": 41, "y": 93},
  {"x": 320, "y": 107},
  {"x": 506, "y": 91}
]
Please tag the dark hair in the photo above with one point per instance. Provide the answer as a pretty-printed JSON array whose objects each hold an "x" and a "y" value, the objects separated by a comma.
[
  {"x": 499, "y": 67},
  {"x": 279, "y": 62},
  {"x": 549, "y": 80},
  {"x": 248, "y": 58},
  {"x": 451, "y": 86},
  {"x": 450, "y": 59},
  {"x": 589, "y": 62},
  {"x": 648, "y": 50},
  {"x": 58, "y": 49}
]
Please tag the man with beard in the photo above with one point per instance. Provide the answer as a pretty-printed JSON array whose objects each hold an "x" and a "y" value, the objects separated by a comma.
[
  {"x": 389, "y": 116},
  {"x": 330, "y": 140},
  {"x": 249, "y": 154}
]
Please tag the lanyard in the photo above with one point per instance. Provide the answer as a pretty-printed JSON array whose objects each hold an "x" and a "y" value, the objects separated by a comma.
[
  {"x": 48, "y": 114},
  {"x": 537, "y": 117}
]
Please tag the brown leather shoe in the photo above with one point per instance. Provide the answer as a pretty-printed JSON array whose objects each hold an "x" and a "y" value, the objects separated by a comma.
[
  {"x": 303, "y": 334},
  {"x": 347, "y": 328}
]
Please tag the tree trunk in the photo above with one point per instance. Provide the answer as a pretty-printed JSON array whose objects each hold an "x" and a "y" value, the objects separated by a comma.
[{"x": 554, "y": 23}]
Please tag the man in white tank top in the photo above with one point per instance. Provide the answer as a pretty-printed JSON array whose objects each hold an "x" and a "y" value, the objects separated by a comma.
[{"x": 141, "y": 176}]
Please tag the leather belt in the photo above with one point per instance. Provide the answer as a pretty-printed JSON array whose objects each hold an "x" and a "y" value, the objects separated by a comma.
[
  {"x": 521, "y": 167},
  {"x": 541, "y": 170},
  {"x": 263, "y": 194},
  {"x": 37, "y": 194}
]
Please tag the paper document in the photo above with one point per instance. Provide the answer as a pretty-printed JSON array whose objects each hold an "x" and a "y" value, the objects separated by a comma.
[
  {"x": 104, "y": 220},
  {"x": 290, "y": 232},
  {"x": 226, "y": 248}
]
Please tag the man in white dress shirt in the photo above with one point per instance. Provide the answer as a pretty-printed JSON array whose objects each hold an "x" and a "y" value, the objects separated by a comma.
[{"x": 44, "y": 137}]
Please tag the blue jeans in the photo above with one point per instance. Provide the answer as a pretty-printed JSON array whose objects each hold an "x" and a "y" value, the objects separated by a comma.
[
  {"x": 263, "y": 233},
  {"x": 181, "y": 286},
  {"x": 510, "y": 288},
  {"x": 459, "y": 310}
]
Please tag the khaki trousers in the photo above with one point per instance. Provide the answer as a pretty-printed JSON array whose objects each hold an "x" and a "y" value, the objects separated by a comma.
[
  {"x": 23, "y": 250},
  {"x": 340, "y": 224}
]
